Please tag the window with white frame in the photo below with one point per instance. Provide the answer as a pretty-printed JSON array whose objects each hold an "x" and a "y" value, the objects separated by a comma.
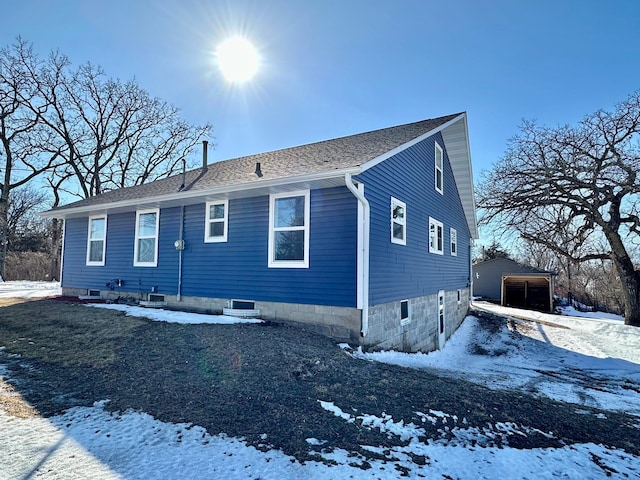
[
  {"x": 439, "y": 162},
  {"x": 289, "y": 230},
  {"x": 453, "y": 235},
  {"x": 436, "y": 240},
  {"x": 398, "y": 222},
  {"x": 96, "y": 240},
  {"x": 146, "y": 239},
  {"x": 216, "y": 221}
]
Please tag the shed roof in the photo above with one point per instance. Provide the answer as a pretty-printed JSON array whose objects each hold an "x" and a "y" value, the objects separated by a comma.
[{"x": 508, "y": 266}]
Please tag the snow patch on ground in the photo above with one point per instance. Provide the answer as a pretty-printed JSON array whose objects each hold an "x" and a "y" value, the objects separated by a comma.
[
  {"x": 173, "y": 316},
  {"x": 584, "y": 361},
  {"x": 90, "y": 442},
  {"x": 546, "y": 359},
  {"x": 27, "y": 289}
]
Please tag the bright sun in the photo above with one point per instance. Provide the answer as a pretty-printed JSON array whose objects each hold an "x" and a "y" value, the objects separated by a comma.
[{"x": 237, "y": 59}]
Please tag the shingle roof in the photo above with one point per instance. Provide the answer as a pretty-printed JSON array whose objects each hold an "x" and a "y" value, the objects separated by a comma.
[{"x": 326, "y": 156}]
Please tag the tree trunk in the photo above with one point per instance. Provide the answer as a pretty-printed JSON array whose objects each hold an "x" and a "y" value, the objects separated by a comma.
[
  {"x": 4, "y": 233},
  {"x": 631, "y": 292},
  {"x": 56, "y": 250}
]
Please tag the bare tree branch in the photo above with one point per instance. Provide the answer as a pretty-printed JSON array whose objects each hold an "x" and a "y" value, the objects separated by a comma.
[{"x": 567, "y": 187}]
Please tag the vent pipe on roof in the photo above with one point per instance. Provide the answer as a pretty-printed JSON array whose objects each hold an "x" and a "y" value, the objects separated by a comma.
[
  {"x": 205, "y": 146},
  {"x": 258, "y": 169},
  {"x": 184, "y": 173}
]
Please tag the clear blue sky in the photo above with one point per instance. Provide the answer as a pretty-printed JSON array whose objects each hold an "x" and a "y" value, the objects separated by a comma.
[{"x": 337, "y": 67}]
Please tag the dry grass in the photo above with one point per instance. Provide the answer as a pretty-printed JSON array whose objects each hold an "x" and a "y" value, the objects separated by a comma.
[
  {"x": 250, "y": 380},
  {"x": 13, "y": 404},
  {"x": 63, "y": 333}
]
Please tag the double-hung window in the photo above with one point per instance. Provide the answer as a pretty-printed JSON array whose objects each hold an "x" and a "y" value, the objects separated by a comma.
[
  {"x": 436, "y": 240},
  {"x": 439, "y": 162},
  {"x": 289, "y": 230},
  {"x": 453, "y": 235},
  {"x": 398, "y": 222},
  {"x": 216, "y": 221},
  {"x": 146, "y": 242},
  {"x": 96, "y": 240}
]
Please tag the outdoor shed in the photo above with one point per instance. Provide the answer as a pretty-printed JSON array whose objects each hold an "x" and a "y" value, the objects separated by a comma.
[{"x": 513, "y": 284}]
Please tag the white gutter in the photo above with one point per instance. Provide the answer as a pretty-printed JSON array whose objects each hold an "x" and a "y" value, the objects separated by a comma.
[
  {"x": 182, "y": 195},
  {"x": 363, "y": 252}
]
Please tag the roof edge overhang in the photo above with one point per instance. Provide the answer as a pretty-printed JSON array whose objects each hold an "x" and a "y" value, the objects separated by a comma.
[
  {"x": 455, "y": 134},
  {"x": 178, "y": 198}
]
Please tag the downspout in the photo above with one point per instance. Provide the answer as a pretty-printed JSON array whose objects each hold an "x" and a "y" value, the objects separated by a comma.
[
  {"x": 471, "y": 282},
  {"x": 180, "y": 247},
  {"x": 64, "y": 231},
  {"x": 363, "y": 234},
  {"x": 180, "y": 242}
]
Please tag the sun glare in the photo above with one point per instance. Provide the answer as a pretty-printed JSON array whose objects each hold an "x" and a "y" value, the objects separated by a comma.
[{"x": 238, "y": 59}]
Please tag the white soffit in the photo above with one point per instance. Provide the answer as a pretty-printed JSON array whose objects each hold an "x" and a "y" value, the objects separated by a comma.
[{"x": 456, "y": 140}]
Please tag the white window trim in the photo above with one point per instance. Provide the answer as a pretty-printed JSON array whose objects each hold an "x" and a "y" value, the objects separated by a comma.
[
  {"x": 453, "y": 244},
  {"x": 136, "y": 263},
  {"x": 434, "y": 249},
  {"x": 104, "y": 241},
  {"x": 208, "y": 221},
  {"x": 397, "y": 203},
  {"x": 272, "y": 263},
  {"x": 439, "y": 170}
]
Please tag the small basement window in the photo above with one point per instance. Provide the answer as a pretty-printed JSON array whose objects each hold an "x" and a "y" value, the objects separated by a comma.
[
  {"x": 405, "y": 318},
  {"x": 243, "y": 304}
]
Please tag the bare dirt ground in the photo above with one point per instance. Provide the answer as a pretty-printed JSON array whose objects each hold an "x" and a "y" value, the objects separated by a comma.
[{"x": 254, "y": 379}]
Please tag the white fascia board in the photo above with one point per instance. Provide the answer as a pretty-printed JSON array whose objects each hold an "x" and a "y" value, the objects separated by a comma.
[
  {"x": 381, "y": 158},
  {"x": 220, "y": 191},
  {"x": 460, "y": 159}
]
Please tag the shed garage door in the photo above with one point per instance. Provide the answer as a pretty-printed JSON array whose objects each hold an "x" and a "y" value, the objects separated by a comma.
[{"x": 527, "y": 292}]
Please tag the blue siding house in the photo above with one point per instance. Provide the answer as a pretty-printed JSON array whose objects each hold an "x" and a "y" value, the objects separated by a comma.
[{"x": 365, "y": 238}]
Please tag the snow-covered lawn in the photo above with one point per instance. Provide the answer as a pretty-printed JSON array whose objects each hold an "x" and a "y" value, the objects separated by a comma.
[
  {"x": 28, "y": 289},
  {"x": 589, "y": 361},
  {"x": 585, "y": 360}
]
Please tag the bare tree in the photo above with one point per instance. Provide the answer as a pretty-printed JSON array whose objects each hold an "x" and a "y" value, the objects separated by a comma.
[
  {"x": 112, "y": 134},
  {"x": 584, "y": 175},
  {"x": 27, "y": 231},
  {"x": 22, "y": 156},
  {"x": 89, "y": 133}
]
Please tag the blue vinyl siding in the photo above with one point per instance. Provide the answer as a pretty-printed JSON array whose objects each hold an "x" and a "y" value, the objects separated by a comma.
[
  {"x": 119, "y": 255},
  {"x": 233, "y": 269},
  {"x": 406, "y": 271}
]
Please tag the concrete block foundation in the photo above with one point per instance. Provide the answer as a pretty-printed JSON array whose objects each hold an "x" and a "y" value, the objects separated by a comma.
[{"x": 386, "y": 329}]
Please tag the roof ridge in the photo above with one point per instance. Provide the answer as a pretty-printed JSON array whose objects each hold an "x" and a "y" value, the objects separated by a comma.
[{"x": 328, "y": 140}]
